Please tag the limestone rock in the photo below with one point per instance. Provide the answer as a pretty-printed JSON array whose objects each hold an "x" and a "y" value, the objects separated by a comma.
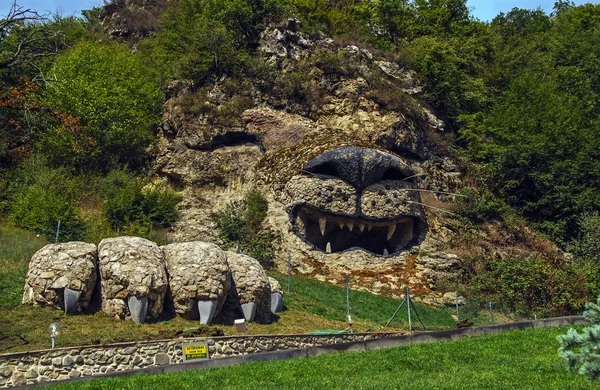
[
  {"x": 53, "y": 268},
  {"x": 251, "y": 284},
  {"x": 197, "y": 270},
  {"x": 131, "y": 266},
  {"x": 275, "y": 286}
]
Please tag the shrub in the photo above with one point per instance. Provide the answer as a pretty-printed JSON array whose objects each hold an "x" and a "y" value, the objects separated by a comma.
[
  {"x": 44, "y": 197},
  {"x": 240, "y": 223},
  {"x": 479, "y": 207},
  {"x": 528, "y": 285},
  {"x": 580, "y": 350},
  {"x": 135, "y": 205}
]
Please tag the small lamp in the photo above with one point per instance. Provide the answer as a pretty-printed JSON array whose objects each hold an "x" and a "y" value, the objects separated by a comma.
[
  {"x": 350, "y": 322},
  {"x": 54, "y": 330}
]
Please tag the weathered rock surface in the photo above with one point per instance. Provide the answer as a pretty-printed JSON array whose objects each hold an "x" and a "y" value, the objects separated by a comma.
[
  {"x": 131, "y": 267},
  {"x": 56, "y": 267},
  {"x": 251, "y": 284},
  {"x": 275, "y": 286},
  {"x": 197, "y": 271}
]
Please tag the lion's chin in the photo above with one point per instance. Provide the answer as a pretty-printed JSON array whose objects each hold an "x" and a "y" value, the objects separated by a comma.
[{"x": 336, "y": 233}]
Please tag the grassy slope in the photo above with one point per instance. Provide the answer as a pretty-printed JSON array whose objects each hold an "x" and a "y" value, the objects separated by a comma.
[
  {"x": 329, "y": 302},
  {"x": 514, "y": 360}
]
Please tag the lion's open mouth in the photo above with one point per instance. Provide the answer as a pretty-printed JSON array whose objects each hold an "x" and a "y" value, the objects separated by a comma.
[{"x": 332, "y": 233}]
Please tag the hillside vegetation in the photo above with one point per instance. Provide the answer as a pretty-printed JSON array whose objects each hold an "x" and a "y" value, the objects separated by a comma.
[{"x": 80, "y": 103}]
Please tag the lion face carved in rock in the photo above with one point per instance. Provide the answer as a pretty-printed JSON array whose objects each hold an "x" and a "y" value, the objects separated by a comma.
[
  {"x": 353, "y": 187},
  {"x": 339, "y": 202}
]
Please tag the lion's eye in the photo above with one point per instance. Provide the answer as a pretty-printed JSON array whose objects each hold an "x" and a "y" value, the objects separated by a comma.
[
  {"x": 325, "y": 169},
  {"x": 394, "y": 174}
]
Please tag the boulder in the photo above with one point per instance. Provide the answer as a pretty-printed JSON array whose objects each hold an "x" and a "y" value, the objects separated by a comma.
[
  {"x": 60, "y": 273},
  {"x": 198, "y": 271},
  {"x": 251, "y": 286},
  {"x": 133, "y": 273}
]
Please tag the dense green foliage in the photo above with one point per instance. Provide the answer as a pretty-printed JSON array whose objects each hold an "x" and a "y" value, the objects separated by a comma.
[
  {"x": 513, "y": 360},
  {"x": 240, "y": 226},
  {"x": 582, "y": 350},
  {"x": 135, "y": 205},
  {"x": 108, "y": 89}
]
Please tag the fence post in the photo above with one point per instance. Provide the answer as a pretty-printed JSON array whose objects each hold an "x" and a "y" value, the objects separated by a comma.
[
  {"x": 57, "y": 231},
  {"x": 289, "y": 271},
  {"x": 457, "y": 313},
  {"x": 408, "y": 304},
  {"x": 491, "y": 314}
]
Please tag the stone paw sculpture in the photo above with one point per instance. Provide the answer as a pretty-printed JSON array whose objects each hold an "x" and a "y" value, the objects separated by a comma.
[
  {"x": 199, "y": 279},
  {"x": 133, "y": 278},
  {"x": 135, "y": 274},
  {"x": 252, "y": 287},
  {"x": 62, "y": 275}
]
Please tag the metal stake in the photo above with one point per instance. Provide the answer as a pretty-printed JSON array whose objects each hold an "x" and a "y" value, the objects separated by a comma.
[
  {"x": 289, "y": 271},
  {"x": 491, "y": 314},
  {"x": 57, "y": 231},
  {"x": 457, "y": 313},
  {"x": 408, "y": 304},
  {"x": 347, "y": 296}
]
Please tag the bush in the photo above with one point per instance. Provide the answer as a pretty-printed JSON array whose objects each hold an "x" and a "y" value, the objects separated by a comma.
[
  {"x": 136, "y": 206},
  {"x": 580, "y": 350},
  {"x": 475, "y": 206},
  {"x": 44, "y": 197},
  {"x": 240, "y": 223},
  {"x": 528, "y": 285}
]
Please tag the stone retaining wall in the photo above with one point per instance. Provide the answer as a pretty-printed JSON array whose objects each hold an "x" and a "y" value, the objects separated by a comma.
[{"x": 34, "y": 367}]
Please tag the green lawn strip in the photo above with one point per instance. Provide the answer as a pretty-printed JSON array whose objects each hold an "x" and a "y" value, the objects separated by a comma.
[
  {"x": 525, "y": 359},
  {"x": 330, "y": 302}
]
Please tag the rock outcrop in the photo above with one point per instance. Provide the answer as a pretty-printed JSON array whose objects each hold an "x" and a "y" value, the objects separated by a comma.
[
  {"x": 62, "y": 275},
  {"x": 133, "y": 278},
  {"x": 198, "y": 271}
]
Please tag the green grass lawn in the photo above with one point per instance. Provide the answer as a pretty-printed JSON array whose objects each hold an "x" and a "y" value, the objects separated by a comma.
[{"x": 513, "y": 360}]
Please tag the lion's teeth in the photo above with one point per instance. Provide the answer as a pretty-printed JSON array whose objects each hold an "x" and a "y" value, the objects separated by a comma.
[
  {"x": 370, "y": 227},
  {"x": 385, "y": 252},
  {"x": 391, "y": 230},
  {"x": 350, "y": 225},
  {"x": 361, "y": 227},
  {"x": 322, "y": 224},
  {"x": 328, "y": 248},
  {"x": 341, "y": 225}
]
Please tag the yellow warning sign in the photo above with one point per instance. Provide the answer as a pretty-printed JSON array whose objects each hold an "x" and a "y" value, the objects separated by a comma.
[{"x": 195, "y": 351}]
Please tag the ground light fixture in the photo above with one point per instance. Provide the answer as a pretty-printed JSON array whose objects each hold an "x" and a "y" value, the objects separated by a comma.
[{"x": 54, "y": 330}]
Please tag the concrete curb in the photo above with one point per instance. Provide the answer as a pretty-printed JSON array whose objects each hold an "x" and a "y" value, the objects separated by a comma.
[{"x": 390, "y": 342}]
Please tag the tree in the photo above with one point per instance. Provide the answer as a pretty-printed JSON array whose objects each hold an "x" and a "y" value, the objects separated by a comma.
[
  {"x": 116, "y": 100},
  {"x": 25, "y": 37},
  {"x": 582, "y": 350}
]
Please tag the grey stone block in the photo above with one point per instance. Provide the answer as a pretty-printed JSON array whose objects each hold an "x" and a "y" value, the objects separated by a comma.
[
  {"x": 249, "y": 310},
  {"x": 207, "y": 309},
  {"x": 71, "y": 297},
  {"x": 276, "y": 302}
]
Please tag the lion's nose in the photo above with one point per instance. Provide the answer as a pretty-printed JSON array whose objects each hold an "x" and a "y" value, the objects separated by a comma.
[{"x": 358, "y": 166}]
